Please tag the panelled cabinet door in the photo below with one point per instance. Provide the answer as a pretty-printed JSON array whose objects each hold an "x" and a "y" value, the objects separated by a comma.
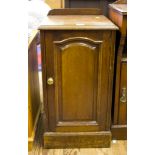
[
  {"x": 76, "y": 79},
  {"x": 81, "y": 71}
]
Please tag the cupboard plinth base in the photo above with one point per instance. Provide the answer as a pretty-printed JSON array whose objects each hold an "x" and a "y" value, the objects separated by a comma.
[
  {"x": 119, "y": 132},
  {"x": 55, "y": 140}
]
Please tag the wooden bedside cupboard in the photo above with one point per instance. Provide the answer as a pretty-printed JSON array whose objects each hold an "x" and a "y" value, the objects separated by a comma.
[{"x": 78, "y": 65}]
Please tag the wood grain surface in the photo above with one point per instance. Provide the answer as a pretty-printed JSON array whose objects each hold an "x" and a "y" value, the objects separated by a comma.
[
  {"x": 76, "y": 11},
  {"x": 54, "y": 4},
  {"x": 118, "y": 14},
  {"x": 101, "y": 4},
  {"x": 34, "y": 102},
  {"x": 118, "y": 148},
  {"x": 77, "y": 22},
  {"x": 81, "y": 64},
  {"x": 122, "y": 8}
]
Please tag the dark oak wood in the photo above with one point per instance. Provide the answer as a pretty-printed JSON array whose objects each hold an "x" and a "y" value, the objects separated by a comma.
[
  {"x": 115, "y": 148},
  {"x": 81, "y": 63},
  {"x": 101, "y": 4},
  {"x": 119, "y": 132},
  {"x": 34, "y": 102},
  {"x": 122, "y": 114},
  {"x": 81, "y": 3},
  {"x": 75, "y": 11},
  {"x": 119, "y": 8},
  {"x": 82, "y": 77},
  {"x": 118, "y": 14},
  {"x": 77, "y": 22},
  {"x": 120, "y": 2},
  {"x": 77, "y": 140}
]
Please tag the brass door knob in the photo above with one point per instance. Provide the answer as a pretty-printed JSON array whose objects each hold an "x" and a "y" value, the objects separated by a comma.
[{"x": 50, "y": 81}]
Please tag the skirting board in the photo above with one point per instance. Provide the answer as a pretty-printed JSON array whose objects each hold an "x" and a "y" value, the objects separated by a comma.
[
  {"x": 56, "y": 140},
  {"x": 119, "y": 132}
]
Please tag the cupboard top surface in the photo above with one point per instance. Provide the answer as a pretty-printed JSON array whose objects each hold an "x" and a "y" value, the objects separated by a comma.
[
  {"x": 121, "y": 8},
  {"x": 77, "y": 22}
]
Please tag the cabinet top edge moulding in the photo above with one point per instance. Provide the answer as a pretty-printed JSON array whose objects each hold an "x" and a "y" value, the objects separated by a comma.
[
  {"x": 77, "y": 22},
  {"x": 119, "y": 6}
]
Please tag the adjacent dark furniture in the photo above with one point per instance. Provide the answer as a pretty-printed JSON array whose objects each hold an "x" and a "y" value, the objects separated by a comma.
[{"x": 118, "y": 14}]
